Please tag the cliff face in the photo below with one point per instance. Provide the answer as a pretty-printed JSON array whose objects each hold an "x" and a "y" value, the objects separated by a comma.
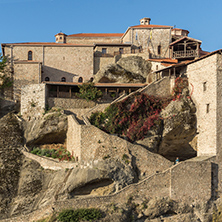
[{"x": 10, "y": 161}]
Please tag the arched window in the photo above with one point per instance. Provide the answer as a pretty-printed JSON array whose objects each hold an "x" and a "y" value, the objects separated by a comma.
[
  {"x": 47, "y": 79},
  {"x": 29, "y": 55},
  {"x": 159, "y": 49},
  {"x": 91, "y": 79},
  {"x": 63, "y": 79},
  {"x": 80, "y": 79}
]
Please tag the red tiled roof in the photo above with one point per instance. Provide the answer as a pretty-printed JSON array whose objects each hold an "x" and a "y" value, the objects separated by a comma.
[
  {"x": 100, "y": 35},
  {"x": 151, "y": 26},
  {"x": 167, "y": 60},
  {"x": 185, "y": 37},
  {"x": 61, "y": 33},
  {"x": 46, "y": 43}
]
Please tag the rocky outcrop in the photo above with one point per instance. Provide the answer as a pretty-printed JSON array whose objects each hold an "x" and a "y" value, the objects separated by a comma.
[
  {"x": 10, "y": 161},
  {"x": 179, "y": 122},
  {"x": 49, "y": 128},
  {"x": 133, "y": 69}
]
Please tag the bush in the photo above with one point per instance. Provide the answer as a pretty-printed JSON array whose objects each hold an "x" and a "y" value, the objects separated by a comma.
[
  {"x": 132, "y": 117},
  {"x": 89, "y": 92},
  {"x": 61, "y": 153},
  {"x": 79, "y": 214}
]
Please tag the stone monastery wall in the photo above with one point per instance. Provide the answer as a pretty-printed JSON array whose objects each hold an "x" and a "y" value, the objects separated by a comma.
[
  {"x": 162, "y": 87},
  {"x": 140, "y": 36},
  {"x": 68, "y": 103},
  {"x": 202, "y": 77},
  {"x": 70, "y": 62},
  {"x": 92, "y": 40},
  {"x": 33, "y": 100},
  {"x": 26, "y": 73}
]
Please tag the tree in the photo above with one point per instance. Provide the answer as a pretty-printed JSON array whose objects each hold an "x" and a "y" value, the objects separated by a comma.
[
  {"x": 3, "y": 60},
  {"x": 5, "y": 77},
  {"x": 89, "y": 92}
]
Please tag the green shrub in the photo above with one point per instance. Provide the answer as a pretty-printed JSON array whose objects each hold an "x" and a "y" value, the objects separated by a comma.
[
  {"x": 79, "y": 214},
  {"x": 61, "y": 153},
  {"x": 89, "y": 92}
]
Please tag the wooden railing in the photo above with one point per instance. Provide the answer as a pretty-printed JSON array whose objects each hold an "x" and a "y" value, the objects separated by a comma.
[{"x": 183, "y": 54}]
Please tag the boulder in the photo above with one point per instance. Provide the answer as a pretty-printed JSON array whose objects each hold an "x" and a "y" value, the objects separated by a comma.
[
  {"x": 132, "y": 69},
  {"x": 135, "y": 64},
  {"x": 49, "y": 128}
]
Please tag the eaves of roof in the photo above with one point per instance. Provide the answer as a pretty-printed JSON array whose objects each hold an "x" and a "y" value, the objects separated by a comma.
[
  {"x": 98, "y": 35},
  {"x": 185, "y": 37},
  {"x": 136, "y": 85},
  {"x": 46, "y": 44},
  {"x": 147, "y": 27}
]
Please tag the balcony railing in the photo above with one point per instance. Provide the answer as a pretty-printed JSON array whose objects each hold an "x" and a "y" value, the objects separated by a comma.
[{"x": 183, "y": 54}]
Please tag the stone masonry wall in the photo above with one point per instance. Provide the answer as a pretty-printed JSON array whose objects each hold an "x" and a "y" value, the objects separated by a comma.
[
  {"x": 160, "y": 88},
  {"x": 191, "y": 181},
  {"x": 58, "y": 61},
  {"x": 73, "y": 141},
  {"x": 202, "y": 77},
  {"x": 92, "y": 40},
  {"x": 33, "y": 100},
  {"x": 160, "y": 36},
  {"x": 25, "y": 73},
  {"x": 100, "y": 62},
  {"x": 69, "y": 103},
  {"x": 219, "y": 120}
]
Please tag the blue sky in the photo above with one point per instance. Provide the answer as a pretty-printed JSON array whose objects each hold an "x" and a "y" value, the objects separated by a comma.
[{"x": 40, "y": 20}]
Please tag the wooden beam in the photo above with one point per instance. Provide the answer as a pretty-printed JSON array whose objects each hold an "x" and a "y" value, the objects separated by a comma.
[{"x": 57, "y": 92}]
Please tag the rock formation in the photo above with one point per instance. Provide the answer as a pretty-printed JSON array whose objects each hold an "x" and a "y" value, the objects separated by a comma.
[
  {"x": 133, "y": 69},
  {"x": 179, "y": 121},
  {"x": 49, "y": 128}
]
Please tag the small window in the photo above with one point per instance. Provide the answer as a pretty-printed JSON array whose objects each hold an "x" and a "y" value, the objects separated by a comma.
[
  {"x": 47, "y": 79},
  {"x": 80, "y": 79},
  {"x": 30, "y": 55},
  {"x": 91, "y": 79},
  {"x": 104, "y": 50},
  {"x": 208, "y": 108},
  {"x": 136, "y": 38},
  {"x": 204, "y": 86},
  {"x": 60, "y": 37},
  {"x": 121, "y": 50},
  {"x": 159, "y": 49},
  {"x": 63, "y": 79}
]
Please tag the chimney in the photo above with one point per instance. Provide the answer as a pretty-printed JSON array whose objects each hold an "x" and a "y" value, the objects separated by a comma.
[{"x": 145, "y": 21}]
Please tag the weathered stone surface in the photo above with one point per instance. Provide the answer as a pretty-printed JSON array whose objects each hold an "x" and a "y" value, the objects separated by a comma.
[
  {"x": 132, "y": 69},
  {"x": 135, "y": 64},
  {"x": 179, "y": 122},
  {"x": 10, "y": 161},
  {"x": 50, "y": 128}
]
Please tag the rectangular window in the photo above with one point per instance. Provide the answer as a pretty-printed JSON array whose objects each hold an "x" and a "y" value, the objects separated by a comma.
[
  {"x": 208, "y": 108},
  {"x": 204, "y": 86},
  {"x": 121, "y": 50},
  {"x": 104, "y": 50}
]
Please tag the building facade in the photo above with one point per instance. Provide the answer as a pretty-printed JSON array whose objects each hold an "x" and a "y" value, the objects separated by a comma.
[{"x": 78, "y": 57}]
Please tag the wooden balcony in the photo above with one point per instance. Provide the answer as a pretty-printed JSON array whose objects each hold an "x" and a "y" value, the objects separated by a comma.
[{"x": 185, "y": 54}]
